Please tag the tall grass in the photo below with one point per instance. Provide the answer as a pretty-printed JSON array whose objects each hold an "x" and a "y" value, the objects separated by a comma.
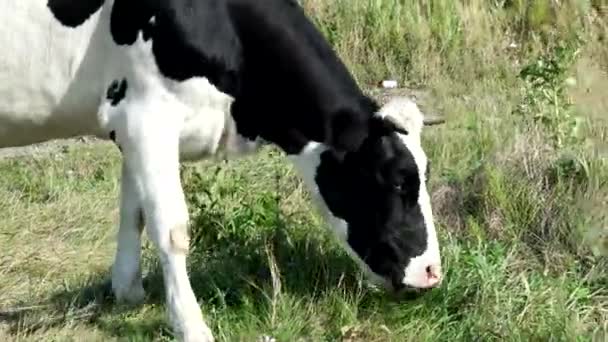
[
  {"x": 507, "y": 72},
  {"x": 415, "y": 41}
]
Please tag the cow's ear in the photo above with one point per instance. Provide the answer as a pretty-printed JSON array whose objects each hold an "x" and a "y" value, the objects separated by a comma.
[
  {"x": 73, "y": 13},
  {"x": 381, "y": 126},
  {"x": 347, "y": 131}
]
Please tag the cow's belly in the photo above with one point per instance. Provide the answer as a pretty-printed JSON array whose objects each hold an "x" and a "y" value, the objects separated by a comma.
[{"x": 51, "y": 76}]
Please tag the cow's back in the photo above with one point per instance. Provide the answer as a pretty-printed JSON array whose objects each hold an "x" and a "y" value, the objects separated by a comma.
[{"x": 51, "y": 74}]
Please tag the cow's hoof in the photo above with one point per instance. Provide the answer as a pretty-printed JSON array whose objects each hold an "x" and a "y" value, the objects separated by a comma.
[
  {"x": 201, "y": 333},
  {"x": 132, "y": 295},
  {"x": 127, "y": 287}
]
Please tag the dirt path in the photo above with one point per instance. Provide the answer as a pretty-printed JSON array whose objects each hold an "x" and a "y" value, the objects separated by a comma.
[{"x": 49, "y": 147}]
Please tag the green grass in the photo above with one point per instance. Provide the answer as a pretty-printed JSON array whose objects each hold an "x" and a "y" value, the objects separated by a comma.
[{"x": 519, "y": 185}]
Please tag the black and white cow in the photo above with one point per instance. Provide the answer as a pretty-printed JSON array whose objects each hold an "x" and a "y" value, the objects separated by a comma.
[{"x": 179, "y": 80}]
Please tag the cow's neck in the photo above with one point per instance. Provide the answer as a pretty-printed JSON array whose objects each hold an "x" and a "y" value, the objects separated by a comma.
[
  {"x": 291, "y": 84},
  {"x": 306, "y": 163}
]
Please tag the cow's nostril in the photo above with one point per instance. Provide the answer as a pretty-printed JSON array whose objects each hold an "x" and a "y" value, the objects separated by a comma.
[{"x": 433, "y": 274}]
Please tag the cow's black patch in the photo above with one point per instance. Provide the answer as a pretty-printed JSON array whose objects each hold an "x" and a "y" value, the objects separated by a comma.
[
  {"x": 189, "y": 38},
  {"x": 117, "y": 90},
  {"x": 289, "y": 85},
  {"x": 73, "y": 13},
  {"x": 375, "y": 190},
  {"x": 113, "y": 138},
  {"x": 294, "y": 81}
]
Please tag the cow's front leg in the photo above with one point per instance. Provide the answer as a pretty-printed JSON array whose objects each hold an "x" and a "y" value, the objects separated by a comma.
[
  {"x": 147, "y": 132},
  {"x": 126, "y": 270}
]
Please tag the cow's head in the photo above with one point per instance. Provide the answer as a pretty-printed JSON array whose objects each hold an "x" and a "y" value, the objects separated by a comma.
[{"x": 376, "y": 200}]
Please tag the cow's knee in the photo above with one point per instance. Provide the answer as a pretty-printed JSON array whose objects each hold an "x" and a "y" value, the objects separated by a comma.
[{"x": 179, "y": 238}]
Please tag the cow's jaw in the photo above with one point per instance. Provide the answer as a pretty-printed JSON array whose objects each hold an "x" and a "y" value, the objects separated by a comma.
[{"x": 307, "y": 162}]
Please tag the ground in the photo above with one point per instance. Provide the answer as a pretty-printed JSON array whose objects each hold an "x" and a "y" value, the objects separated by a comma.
[{"x": 519, "y": 188}]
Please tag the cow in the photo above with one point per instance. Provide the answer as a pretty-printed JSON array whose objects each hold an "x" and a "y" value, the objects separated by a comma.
[{"x": 170, "y": 81}]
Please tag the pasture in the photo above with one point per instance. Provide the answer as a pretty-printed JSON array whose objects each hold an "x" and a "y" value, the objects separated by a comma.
[{"x": 519, "y": 183}]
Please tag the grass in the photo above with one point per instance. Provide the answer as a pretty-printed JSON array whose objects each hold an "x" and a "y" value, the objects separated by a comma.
[{"x": 519, "y": 184}]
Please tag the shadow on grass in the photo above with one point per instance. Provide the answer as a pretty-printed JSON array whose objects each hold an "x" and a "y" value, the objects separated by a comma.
[
  {"x": 238, "y": 236},
  {"x": 229, "y": 275}
]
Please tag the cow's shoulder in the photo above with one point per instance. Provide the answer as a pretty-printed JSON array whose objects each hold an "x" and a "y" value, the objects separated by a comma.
[{"x": 189, "y": 38}]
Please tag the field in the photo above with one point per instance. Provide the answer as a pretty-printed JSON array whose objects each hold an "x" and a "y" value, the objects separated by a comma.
[{"x": 519, "y": 185}]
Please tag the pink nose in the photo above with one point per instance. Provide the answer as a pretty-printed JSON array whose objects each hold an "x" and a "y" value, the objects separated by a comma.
[{"x": 433, "y": 275}]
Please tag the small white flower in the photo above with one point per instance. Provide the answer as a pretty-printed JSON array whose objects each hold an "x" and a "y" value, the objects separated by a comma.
[{"x": 266, "y": 338}]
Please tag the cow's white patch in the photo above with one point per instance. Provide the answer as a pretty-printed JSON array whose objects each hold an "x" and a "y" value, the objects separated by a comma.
[
  {"x": 50, "y": 75},
  {"x": 208, "y": 129},
  {"x": 406, "y": 113}
]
